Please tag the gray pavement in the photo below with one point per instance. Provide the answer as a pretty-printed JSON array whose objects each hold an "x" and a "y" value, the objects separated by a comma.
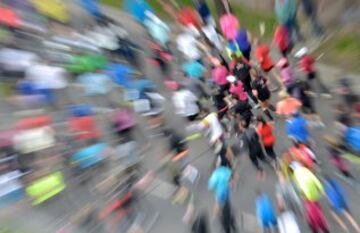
[{"x": 56, "y": 213}]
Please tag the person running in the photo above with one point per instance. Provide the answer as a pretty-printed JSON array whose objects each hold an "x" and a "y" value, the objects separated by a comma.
[
  {"x": 301, "y": 153},
  {"x": 288, "y": 78},
  {"x": 218, "y": 76},
  {"x": 265, "y": 131},
  {"x": 241, "y": 71},
  {"x": 262, "y": 55},
  {"x": 251, "y": 139},
  {"x": 261, "y": 91},
  {"x": 243, "y": 109},
  {"x": 287, "y": 105},
  {"x": 281, "y": 40},
  {"x": 287, "y": 222},
  {"x": 219, "y": 183},
  {"x": 337, "y": 199},
  {"x": 265, "y": 212},
  {"x": 297, "y": 129},
  {"x": 243, "y": 39},
  {"x": 186, "y": 103},
  {"x": 312, "y": 190},
  {"x": 307, "y": 66}
]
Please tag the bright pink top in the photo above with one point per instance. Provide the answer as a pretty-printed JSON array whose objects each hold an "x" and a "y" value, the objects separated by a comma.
[
  {"x": 229, "y": 25},
  {"x": 219, "y": 75},
  {"x": 238, "y": 90}
]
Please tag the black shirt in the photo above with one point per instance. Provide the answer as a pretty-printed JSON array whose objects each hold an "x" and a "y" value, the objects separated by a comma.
[
  {"x": 242, "y": 72},
  {"x": 260, "y": 86},
  {"x": 219, "y": 101}
]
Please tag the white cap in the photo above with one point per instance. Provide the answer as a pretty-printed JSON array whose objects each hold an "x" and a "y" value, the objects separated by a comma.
[
  {"x": 301, "y": 52},
  {"x": 231, "y": 78}
]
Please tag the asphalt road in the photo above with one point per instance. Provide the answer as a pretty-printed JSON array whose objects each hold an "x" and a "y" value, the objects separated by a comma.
[{"x": 54, "y": 215}]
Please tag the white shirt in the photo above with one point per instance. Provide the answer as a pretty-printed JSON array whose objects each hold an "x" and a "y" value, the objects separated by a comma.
[
  {"x": 287, "y": 223},
  {"x": 185, "y": 103},
  {"x": 186, "y": 43},
  {"x": 47, "y": 77},
  {"x": 16, "y": 59},
  {"x": 212, "y": 35},
  {"x": 212, "y": 122}
]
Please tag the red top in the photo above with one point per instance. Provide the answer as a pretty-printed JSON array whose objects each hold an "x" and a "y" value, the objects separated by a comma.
[
  {"x": 33, "y": 122},
  {"x": 9, "y": 17},
  {"x": 188, "y": 16},
  {"x": 266, "y": 134},
  {"x": 262, "y": 55},
  {"x": 84, "y": 127},
  {"x": 281, "y": 38},
  {"x": 307, "y": 64}
]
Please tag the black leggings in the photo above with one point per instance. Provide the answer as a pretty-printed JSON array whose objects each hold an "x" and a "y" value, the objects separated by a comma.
[
  {"x": 255, "y": 155},
  {"x": 270, "y": 152}
]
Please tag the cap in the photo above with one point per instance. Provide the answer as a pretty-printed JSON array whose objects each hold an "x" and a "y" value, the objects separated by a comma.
[
  {"x": 231, "y": 79},
  {"x": 301, "y": 52}
]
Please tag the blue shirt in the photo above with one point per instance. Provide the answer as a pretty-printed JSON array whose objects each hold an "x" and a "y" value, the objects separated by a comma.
[
  {"x": 335, "y": 194},
  {"x": 89, "y": 156},
  {"x": 265, "y": 211},
  {"x": 193, "y": 69},
  {"x": 297, "y": 129},
  {"x": 219, "y": 183}
]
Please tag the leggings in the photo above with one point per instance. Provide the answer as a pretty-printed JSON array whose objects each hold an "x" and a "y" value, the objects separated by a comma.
[
  {"x": 255, "y": 155},
  {"x": 270, "y": 152}
]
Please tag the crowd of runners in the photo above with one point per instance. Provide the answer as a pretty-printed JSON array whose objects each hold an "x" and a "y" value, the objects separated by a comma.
[{"x": 73, "y": 97}]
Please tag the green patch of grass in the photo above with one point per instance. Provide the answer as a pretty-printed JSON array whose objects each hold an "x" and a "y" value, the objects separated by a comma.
[{"x": 343, "y": 50}]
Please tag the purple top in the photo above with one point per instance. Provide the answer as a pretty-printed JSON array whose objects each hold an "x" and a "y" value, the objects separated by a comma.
[{"x": 287, "y": 76}]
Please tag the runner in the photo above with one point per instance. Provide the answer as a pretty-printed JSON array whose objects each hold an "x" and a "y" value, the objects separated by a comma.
[
  {"x": 265, "y": 212},
  {"x": 251, "y": 139},
  {"x": 288, "y": 78},
  {"x": 243, "y": 39},
  {"x": 281, "y": 40},
  {"x": 297, "y": 129},
  {"x": 262, "y": 55},
  {"x": 307, "y": 65},
  {"x": 265, "y": 131},
  {"x": 241, "y": 71},
  {"x": 338, "y": 201},
  {"x": 186, "y": 103},
  {"x": 261, "y": 91}
]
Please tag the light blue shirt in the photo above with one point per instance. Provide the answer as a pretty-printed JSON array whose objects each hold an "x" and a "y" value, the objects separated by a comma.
[{"x": 193, "y": 69}]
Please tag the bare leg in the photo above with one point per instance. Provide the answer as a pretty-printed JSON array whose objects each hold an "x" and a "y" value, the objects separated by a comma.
[
  {"x": 339, "y": 221},
  {"x": 352, "y": 221}
]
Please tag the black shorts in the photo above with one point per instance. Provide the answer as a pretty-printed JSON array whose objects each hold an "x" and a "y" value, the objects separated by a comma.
[
  {"x": 311, "y": 75},
  {"x": 192, "y": 117},
  {"x": 307, "y": 107},
  {"x": 264, "y": 96}
]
